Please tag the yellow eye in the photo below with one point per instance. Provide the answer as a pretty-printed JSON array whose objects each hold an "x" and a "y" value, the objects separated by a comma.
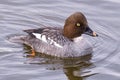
[{"x": 78, "y": 24}]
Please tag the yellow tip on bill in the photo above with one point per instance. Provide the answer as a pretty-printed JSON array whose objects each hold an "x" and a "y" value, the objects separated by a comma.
[{"x": 94, "y": 34}]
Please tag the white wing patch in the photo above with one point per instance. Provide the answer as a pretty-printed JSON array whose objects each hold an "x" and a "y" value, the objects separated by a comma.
[
  {"x": 54, "y": 43},
  {"x": 41, "y": 37},
  {"x": 44, "y": 39}
]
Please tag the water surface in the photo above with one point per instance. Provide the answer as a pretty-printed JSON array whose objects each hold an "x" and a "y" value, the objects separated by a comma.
[{"x": 103, "y": 17}]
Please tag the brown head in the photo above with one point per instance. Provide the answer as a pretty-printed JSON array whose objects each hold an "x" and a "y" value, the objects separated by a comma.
[{"x": 75, "y": 25}]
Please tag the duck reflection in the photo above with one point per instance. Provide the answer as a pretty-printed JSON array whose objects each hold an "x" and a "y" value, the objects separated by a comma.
[
  {"x": 74, "y": 68},
  {"x": 77, "y": 72}
]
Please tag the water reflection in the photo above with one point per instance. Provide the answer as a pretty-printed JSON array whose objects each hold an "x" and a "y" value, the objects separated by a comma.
[{"x": 73, "y": 68}]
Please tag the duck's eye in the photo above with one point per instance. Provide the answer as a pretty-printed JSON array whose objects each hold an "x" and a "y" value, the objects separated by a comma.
[{"x": 78, "y": 24}]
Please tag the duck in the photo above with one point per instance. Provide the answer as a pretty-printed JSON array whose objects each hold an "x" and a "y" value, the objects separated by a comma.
[{"x": 61, "y": 42}]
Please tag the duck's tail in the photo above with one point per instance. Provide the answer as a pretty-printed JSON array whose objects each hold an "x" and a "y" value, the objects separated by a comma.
[{"x": 17, "y": 38}]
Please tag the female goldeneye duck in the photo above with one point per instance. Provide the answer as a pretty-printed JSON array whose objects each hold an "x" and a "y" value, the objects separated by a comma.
[{"x": 66, "y": 42}]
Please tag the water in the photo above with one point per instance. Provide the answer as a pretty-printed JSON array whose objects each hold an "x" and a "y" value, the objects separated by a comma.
[{"x": 103, "y": 17}]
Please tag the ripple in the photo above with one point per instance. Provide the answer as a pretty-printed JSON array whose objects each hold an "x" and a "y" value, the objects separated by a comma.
[
  {"x": 104, "y": 47},
  {"x": 17, "y": 15}
]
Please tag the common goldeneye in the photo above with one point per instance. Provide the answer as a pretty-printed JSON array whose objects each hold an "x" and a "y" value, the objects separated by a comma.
[{"x": 61, "y": 42}]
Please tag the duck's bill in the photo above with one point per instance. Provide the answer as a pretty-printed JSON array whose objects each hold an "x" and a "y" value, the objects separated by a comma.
[{"x": 89, "y": 31}]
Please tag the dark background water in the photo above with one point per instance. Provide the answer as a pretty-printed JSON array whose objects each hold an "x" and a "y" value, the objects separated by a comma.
[{"x": 103, "y": 17}]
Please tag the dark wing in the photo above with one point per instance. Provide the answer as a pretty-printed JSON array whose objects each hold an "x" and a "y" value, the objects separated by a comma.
[
  {"x": 42, "y": 30},
  {"x": 31, "y": 31},
  {"x": 39, "y": 30},
  {"x": 52, "y": 36}
]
